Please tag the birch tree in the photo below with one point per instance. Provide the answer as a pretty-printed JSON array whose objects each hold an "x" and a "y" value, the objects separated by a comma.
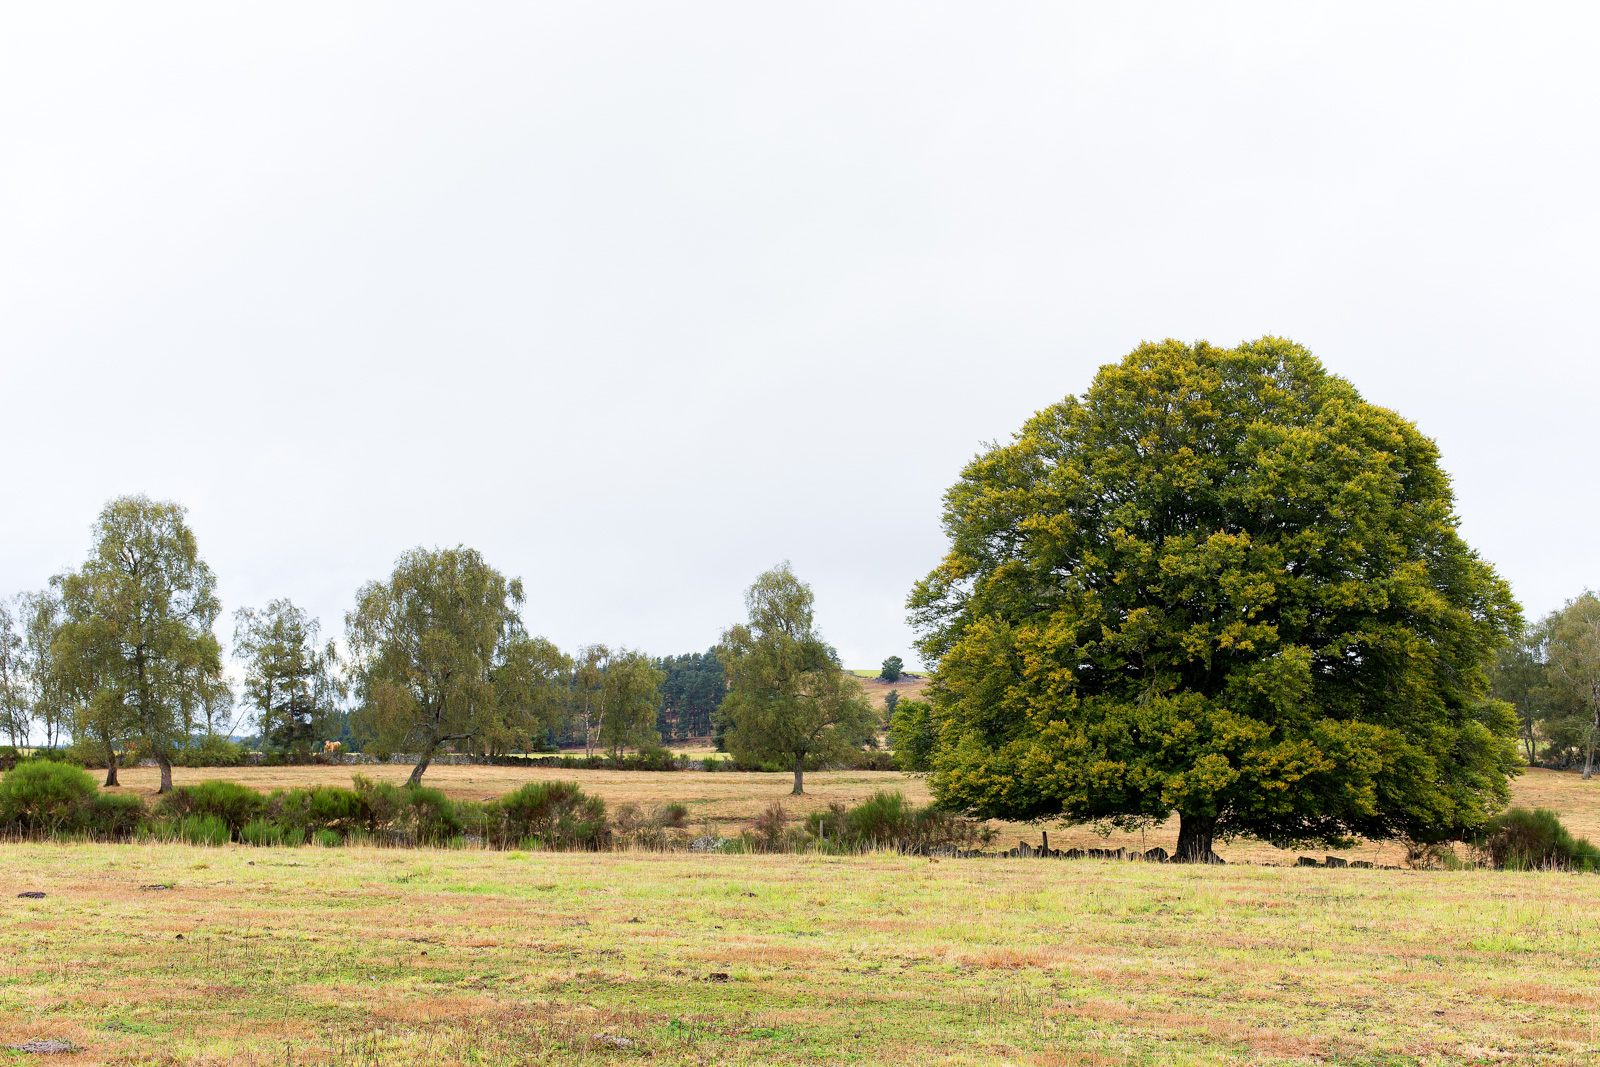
[{"x": 136, "y": 629}]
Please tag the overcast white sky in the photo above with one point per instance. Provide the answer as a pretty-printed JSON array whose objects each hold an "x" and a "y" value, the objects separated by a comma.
[{"x": 642, "y": 299}]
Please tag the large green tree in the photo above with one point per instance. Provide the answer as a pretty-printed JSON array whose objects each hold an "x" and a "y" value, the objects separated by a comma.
[
  {"x": 291, "y": 680},
  {"x": 1221, "y": 585},
  {"x": 788, "y": 697},
  {"x": 135, "y": 641},
  {"x": 440, "y": 655}
]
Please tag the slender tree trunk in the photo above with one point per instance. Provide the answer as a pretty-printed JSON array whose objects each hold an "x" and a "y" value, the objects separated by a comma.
[
  {"x": 799, "y": 776},
  {"x": 166, "y": 772},
  {"x": 1194, "y": 838},
  {"x": 422, "y": 765},
  {"x": 111, "y": 766}
]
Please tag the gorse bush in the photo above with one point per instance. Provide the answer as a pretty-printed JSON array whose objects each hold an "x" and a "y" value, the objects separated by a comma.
[
  {"x": 888, "y": 820},
  {"x": 1520, "y": 839},
  {"x": 554, "y": 815},
  {"x": 231, "y": 802},
  {"x": 47, "y": 798}
]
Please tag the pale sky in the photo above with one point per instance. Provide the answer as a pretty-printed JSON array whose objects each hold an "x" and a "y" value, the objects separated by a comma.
[{"x": 640, "y": 300}]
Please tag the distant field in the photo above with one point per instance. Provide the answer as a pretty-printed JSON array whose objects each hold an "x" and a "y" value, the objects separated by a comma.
[
  {"x": 726, "y": 800},
  {"x": 371, "y": 956}
]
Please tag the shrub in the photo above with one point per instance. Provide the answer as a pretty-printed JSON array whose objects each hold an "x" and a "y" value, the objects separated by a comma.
[
  {"x": 46, "y": 797},
  {"x": 204, "y": 830},
  {"x": 883, "y": 819},
  {"x": 260, "y": 832},
  {"x": 327, "y": 839},
  {"x": 231, "y": 802},
  {"x": 652, "y": 828},
  {"x": 431, "y": 815},
  {"x": 556, "y": 814},
  {"x": 115, "y": 815},
  {"x": 888, "y": 820},
  {"x": 1520, "y": 839},
  {"x": 319, "y": 807},
  {"x": 771, "y": 828},
  {"x": 211, "y": 751}
]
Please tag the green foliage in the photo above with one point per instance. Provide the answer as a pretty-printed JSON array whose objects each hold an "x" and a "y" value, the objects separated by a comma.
[
  {"x": 440, "y": 655},
  {"x": 555, "y": 815},
  {"x": 1572, "y": 653},
  {"x": 1520, "y": 839},
  {"x": 115, "y": 815},
  {"x": 261, "y": 832},
  {"x": 788, "y": 697},
  {"x": 327, "y": 839},
  {"x": 46, "y": 797},
  {"x": 235, "y": 804},
  {"x": 211, "y": 750},
  {"x": 1219, "y": 584},
  {"x": 692, "y": 688},
  {"x": 893, "y": 668},
  {"x": 888, "y": 820},
  {"x": 912, "y": 735},
  {"x": 136, "y": 649},
  {"x": 318, "y": 807},
  {"x": 291, "y": 681},
  {"x": 203, "y": 830}
]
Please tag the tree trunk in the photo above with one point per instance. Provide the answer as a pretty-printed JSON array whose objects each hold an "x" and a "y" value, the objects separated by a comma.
[
  {"x": 422, "y": 765},
  {"x": 111, "y": 767},
  {"x": 799, "y": 776},
  {"x": 1194, "y": 838},
  {"x": 166, "y": 772}
]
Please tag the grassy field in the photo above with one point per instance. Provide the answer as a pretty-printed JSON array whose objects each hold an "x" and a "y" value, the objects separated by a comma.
[
  {"x": 373, "y": 956},
  {"x": 723, "y": 802}
]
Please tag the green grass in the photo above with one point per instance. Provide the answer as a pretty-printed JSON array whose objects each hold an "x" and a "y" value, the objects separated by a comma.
[{"x": 373, "y": 956}]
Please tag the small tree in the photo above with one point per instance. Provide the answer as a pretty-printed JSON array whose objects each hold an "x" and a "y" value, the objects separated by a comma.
[
  {"x": 136, "y": 636},
  {"x": 890, "y": 700},
  {"x": 293, "y": 684},
  {"x": 633, "y": 697},
  {"x": 440, "y": 654},
  {"x": 788, "y": 697},
  {"x": 1521, "y": 679},
  {"x": 40, "y": 616},
  {"x": 16, "y": 703},
  {"x": 1573, "y": 651},
  {"x": 893, "y": 667}
]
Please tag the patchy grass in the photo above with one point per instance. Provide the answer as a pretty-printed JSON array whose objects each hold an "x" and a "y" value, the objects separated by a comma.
[
  {"x": 363, "y": 955},
  {"x": 731, "y": 800}
]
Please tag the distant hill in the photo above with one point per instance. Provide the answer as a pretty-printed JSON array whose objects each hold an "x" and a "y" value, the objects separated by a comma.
[{"x": 909, "y": 685}]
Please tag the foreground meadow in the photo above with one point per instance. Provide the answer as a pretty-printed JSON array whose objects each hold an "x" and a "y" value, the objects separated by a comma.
[
  {"x": 725, "y": 802},
  {"x": 168, "y": 954}
]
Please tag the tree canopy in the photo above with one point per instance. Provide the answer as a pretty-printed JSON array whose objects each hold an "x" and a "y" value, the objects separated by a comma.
[
  {"x": 440, "y": 655},
  {"x": 1572, "y": 653},
  {"x": 291, "y": 681},
  {"x": 788, "y": 697},
  {"x": 1223, "y": 585},
  {"x": 135, "y": 638}
]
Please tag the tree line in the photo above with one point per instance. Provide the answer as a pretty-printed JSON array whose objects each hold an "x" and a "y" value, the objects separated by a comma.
[{"x": 121, "y": 653}]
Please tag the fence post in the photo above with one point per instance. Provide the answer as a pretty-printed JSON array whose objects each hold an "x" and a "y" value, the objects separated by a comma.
[{"x": 1044, "y": 849}]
